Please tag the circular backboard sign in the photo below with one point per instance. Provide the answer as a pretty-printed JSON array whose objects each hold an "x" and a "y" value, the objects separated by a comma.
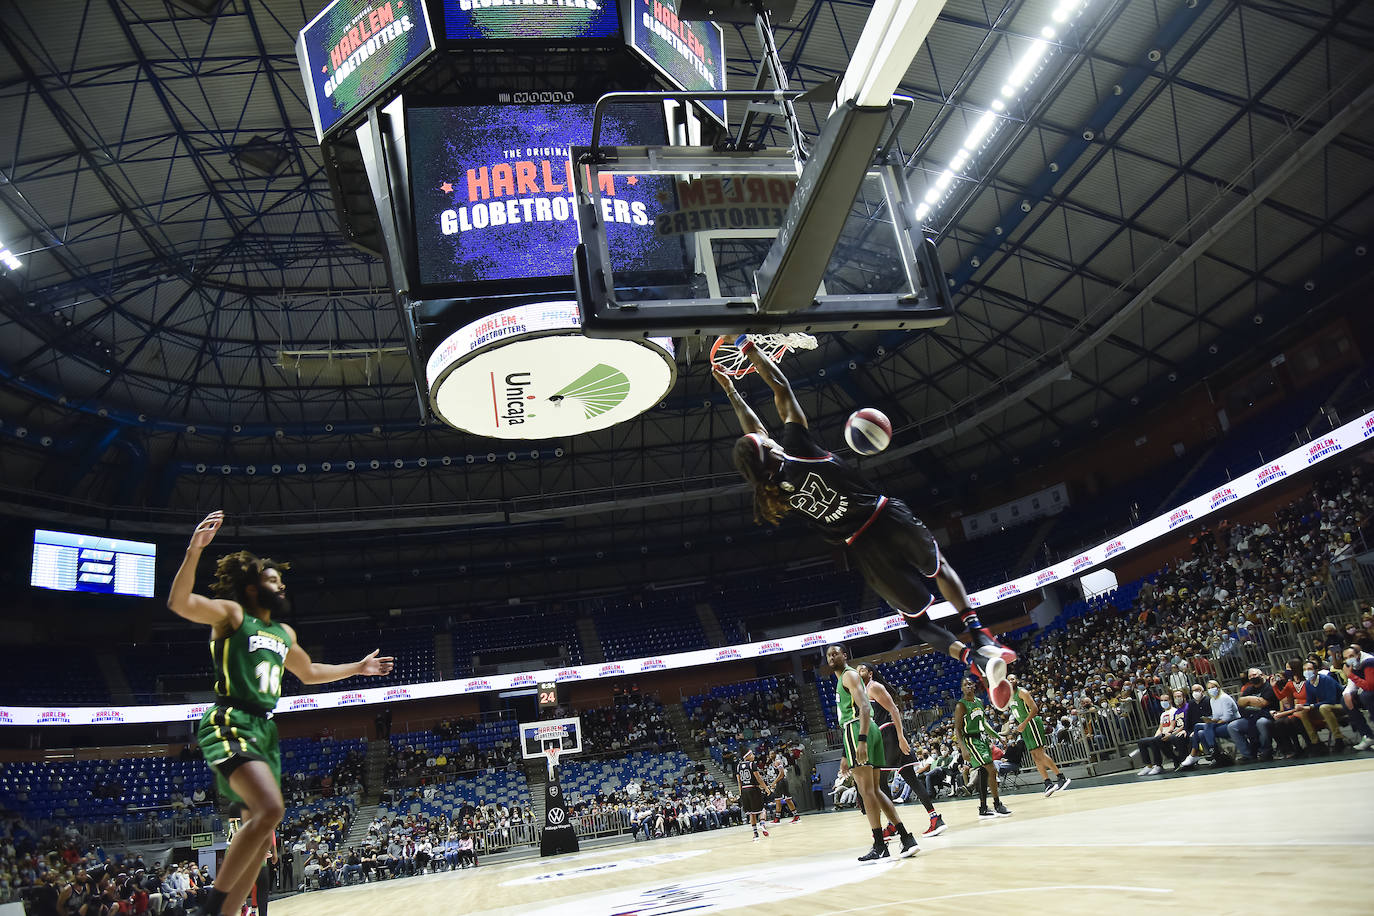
[{"x": 528, "y": 373}]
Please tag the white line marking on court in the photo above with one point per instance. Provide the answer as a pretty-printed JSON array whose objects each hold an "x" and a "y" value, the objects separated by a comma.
[{"x": 1010, "y": 890}]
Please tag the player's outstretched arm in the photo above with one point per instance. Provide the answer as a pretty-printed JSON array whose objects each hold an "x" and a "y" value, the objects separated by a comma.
[
  {"x": 748, "y": 420},
  {"x": 182, "y": 600},
  {"x": 299, "y": 663},
  {"x": 783, "y": 398}
]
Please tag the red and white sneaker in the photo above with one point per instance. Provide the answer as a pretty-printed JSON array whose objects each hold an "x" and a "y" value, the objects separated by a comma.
[
  {"x": 992, "y": 669},
  {"x": 937, "y": 826},
  {"x": 889, "y": 831},
  {"x": 795, "y": 818},
  {"x": 764, "y": 830}
]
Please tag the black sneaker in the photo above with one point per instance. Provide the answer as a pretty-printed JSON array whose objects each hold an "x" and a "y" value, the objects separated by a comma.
[
  {"x": 986, "y": 812},
  {"x": 877, "y": 852},
  {"x": 1001, "y": 810},
  {"x": 937, "y": 826},
  {"x": 909, "y": 847},
  {"x": 1050, "y": 787},
  {"x": 1063, "y": 783}
]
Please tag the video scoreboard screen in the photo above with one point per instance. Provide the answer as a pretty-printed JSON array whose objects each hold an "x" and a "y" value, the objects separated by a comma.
[
  {"x": 354, "y": 49},
  {"x": 519, "y": 20},
  {"x": 493, "y": 199},
  {"x": 69, "y": 562},
  {"x": 691, "y": 55}
]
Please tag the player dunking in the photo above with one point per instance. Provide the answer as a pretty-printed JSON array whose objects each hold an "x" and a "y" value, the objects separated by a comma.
[
  {"x": 897, "y": 756},
  {"x": 863, "y": 754},
  {"x": 896, "y": 553},
  {"x": 1026, "y": 722},
  {"x": 237, "y": 735},
  {"x": 750, "y": 792},
  {"x": 971, "y": 733}
]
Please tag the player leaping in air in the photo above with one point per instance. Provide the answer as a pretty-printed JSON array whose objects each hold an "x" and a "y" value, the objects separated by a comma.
[
  {"x": 896, "y": 553},
  {"x": 248, "y": 650}
]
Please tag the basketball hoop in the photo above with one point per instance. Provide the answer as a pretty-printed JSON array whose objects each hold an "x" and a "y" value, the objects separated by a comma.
[
  {"x": 730, "y": 359},
  {"x": 552, "y": 752}
]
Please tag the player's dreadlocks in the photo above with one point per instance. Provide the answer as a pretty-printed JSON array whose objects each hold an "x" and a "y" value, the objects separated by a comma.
[
  {"x": 769, "y": 504},
  {"x": 236, "y": 571}
]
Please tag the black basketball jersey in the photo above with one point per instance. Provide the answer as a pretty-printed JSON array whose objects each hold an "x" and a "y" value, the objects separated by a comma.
[
  {"x": 881, "y": 716},
  {"x": 835, "y": 499},
  {"x": 745, "y": 771}
]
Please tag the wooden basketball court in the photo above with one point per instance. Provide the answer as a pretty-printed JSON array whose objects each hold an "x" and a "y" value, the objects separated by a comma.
[{"x": 1234, "y": 841}]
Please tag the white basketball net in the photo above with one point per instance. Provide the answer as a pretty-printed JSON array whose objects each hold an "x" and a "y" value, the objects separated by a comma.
[{"x": 730, "y": 359}]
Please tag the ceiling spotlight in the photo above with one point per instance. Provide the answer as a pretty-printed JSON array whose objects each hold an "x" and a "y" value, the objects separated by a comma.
[
  {"x": 398, "y": 464},
  {"x": 1212, "y": 349},
  {"x": 423, "y": 462},
  {"x": 276, "y": 469},
  {"x": 326, "y": 466},
  {"x": 350, "y": 464},
  {"x": 279, "y": 433},
  {"x": 300, "y": 468},
  {"x": 1173, "y": 376},
  {"x": 251, "y": 470},
  {"x": 237, "y": 428},
  {"x": 374, "y": 464},
  {"x": 1310, "y": 285}
]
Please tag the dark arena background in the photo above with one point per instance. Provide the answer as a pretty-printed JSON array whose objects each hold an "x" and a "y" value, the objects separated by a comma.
[{"x": 423, "y": 295}]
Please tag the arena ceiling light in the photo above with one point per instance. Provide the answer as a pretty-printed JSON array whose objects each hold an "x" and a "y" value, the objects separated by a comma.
[
  {"x": 1023, "y": 73},
  {"x": 8, "y": 258}
]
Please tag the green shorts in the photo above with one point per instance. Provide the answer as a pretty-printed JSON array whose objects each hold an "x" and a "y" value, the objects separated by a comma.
[
  {"x": 1033, "y": 735},
  {"x": 979, "y": 754},
  {"x": 229, "y": 737},
  {"x": 850, "y": 733}
]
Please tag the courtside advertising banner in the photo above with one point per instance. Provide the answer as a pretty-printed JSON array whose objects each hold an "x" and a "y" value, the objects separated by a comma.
[
  {"x": 354, "y": 49},
  {"x": 1346, "y": 438},
  {"x": 690, "y": 55}
]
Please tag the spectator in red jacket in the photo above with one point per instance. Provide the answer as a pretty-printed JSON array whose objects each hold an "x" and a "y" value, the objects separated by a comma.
[{"x": 1358, "y": 696}]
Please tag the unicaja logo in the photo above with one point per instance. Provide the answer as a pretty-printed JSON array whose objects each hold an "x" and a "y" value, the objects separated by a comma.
[
  {"x": 1270, "y": 474},
  {"x": 54, "y": 717},
  {"x": 1222, "y": 497},
  {"x": 1082, "y": 563},
  {"x": 108, "y": 715},
  {"x": 770, "y": 647},
  {"x": 611, "y": 670},
  {"x": 725, "y": 654},
  {"x": 480, "y": 683},
  {"x": 1178, "y": 517},
  {"x": 350, "y": 699},
  {"x": 1116, "y": 547},
  {"x": 397, "y": 693},
  {"x": 596, "y": 391},
  {"x": 652, "y": 664}
]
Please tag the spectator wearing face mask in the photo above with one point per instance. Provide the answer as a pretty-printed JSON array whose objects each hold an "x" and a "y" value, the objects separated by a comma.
[
  {"x": 1167, "y": 739},
  {"x": 1319, "y": 699},
  {"x": 1358, "y": 695},
  {"x": 1252, "y": 730},
  {"x": 1214, "y": 720}
]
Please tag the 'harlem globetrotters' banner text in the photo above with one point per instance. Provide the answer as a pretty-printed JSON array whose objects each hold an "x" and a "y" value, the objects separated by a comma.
[
  {"x": 494, "y": 197},
  {"x": 352, "y": 50},
  {"x": 690, "y": 54}
]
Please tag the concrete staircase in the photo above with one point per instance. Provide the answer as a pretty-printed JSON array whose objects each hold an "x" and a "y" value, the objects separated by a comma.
[
  {"x": 1033, "y": 544},
  {"x": 682, "y": 730},
  {"x": 443, "y": 655},
  {"x": 374, "y": 769},
  {"x": 710, "y": 624},
  {"x": 536, "y": 775},
  {"x": 362, "y": 819},
  {"x": 591, "y": 642},
  {"x": 115, "y": 681}
]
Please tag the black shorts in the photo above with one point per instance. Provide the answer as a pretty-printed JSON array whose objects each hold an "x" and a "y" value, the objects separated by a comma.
[
  {"x": 898, "y": 557},
  {"x": 893, "y": 757},
  {"x": 751, "y": 800}
]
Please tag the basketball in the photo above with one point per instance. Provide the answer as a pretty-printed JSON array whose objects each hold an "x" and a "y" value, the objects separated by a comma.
[{"x": 868, "y": 431}]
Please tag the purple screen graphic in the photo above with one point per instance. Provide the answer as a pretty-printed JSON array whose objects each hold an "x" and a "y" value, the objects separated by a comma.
[{"x": 493, "y": 197}]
